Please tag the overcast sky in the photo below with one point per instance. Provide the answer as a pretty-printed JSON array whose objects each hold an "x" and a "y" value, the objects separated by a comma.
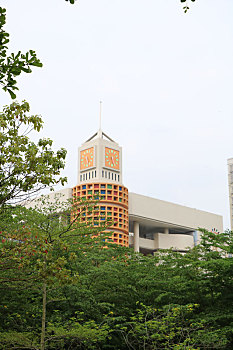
[{"x": 165, "y": 79}]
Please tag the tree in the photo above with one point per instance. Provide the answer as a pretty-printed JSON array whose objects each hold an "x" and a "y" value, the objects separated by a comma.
[
  {"x": 38, "y": 252},
  {"x": 168, "y": 328},
  {"x": 25, "y": 167}
]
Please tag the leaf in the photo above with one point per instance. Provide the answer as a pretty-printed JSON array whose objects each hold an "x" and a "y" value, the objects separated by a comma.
[{"x": 12, "y": 94}]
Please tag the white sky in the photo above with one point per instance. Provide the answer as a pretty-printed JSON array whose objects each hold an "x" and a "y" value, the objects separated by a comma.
[{"x": 165, "y": 79}]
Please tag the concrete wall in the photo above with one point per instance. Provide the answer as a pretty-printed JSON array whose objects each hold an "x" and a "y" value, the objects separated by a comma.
[
  {"x": 178, "y": 242},
  {"x": 170, "y": 213},
  {"x": 175, "y": 241}
]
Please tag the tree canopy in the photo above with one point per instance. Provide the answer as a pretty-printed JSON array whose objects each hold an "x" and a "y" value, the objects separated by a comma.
[{"x": 25, "y": 166}]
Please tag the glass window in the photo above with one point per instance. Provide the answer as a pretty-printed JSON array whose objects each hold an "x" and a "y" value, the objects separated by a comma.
[
  {"x": 118, "y": 178},
  {"x": 112, "y": 176},
  {"x": 115, "y": 177},
  {"x": 102, "y": 173},
  {"x": 81, "y": 177},
  {"x": 106, "y": 174},
  {"x": 89, "y": 175},
  {"x": 95, "y": 173},
  {"x": 109, "y": 175}
]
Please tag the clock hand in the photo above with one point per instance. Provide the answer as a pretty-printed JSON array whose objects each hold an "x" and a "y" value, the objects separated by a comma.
[{"x": 113, "y": 161}]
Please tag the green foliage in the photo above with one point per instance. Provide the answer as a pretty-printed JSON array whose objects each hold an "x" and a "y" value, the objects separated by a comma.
[
  {"x": 71, "y": 1},
  {"x": 123, "y": 300},
  {"x": 12, "y": 340},
  {"x": 186, "y": 8},
  {"x": 76, "y": 333},
  {"x": 150, "y": 328},
  {"x": 13, "y": 65},
  {"x": 25, "y": 167}
]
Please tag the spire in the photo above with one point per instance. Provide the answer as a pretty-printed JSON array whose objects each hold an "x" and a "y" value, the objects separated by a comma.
[{"x": 100, "y": 134}]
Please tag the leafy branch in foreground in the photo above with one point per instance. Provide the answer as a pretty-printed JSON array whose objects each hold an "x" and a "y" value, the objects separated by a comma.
[
  {"x": 25, "y": 167},
  {"x": 13, "y": 65},
  {"x": 186, "y": 8}
]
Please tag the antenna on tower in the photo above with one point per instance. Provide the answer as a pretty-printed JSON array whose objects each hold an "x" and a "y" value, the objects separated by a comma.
[{"x": 100, "y": 114}]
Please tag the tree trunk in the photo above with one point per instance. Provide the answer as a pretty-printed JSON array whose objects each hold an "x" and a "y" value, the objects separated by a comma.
[{"x": 42, "y": 343}]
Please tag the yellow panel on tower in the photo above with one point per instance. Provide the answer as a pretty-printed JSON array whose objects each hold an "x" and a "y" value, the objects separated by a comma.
[
  {"x": 112, "y": 159},
  {"x": 87, "y": 158}
]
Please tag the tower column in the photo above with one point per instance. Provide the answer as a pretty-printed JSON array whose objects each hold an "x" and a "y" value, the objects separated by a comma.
[
  {"x": 136, "y": 236},
  {"x": 166, "y": 231}
]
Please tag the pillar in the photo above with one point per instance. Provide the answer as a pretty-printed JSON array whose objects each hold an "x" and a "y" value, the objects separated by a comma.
[
  {"x": 136, "y": 236},
  {"x": 166, "y": 231}
]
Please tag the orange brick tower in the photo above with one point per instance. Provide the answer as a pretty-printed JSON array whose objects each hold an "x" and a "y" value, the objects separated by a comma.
[{"x": 100, "y": 173}]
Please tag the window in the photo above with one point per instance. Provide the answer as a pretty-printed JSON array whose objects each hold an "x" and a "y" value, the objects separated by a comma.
[
  {"x": 118, "y": 178},
  {"x": 109, "y": 175},
  {"x": 92, "y": 174},
  {"x": 80, "y": 177},
  {"x": 84, "y": 187},
  {"x": 112, "y": 176},
  {"x": 102, "y": 173},
  {"x": 95, "y": 173},
  {"x": 115, "y": 177},
  {"x": 89, "y": 175},
  {"x": 106, "y": 174}
]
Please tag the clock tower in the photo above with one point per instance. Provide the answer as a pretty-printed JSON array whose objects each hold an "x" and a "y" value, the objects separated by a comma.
[
  {"x": 100, "y": 173},
  {"x": 100, "y": 159}
]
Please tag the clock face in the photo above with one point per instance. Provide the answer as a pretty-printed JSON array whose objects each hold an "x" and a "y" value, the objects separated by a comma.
[
  {"x": 112, "y": 159},
  {"x": 87, "y": 158}
]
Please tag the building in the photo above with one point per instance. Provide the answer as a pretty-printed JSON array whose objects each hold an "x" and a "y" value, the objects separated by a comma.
[
  {"x": 100, "y": 174},
  {"x": 230, "y": 186},
  {"x": 144, "y": 223}
]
